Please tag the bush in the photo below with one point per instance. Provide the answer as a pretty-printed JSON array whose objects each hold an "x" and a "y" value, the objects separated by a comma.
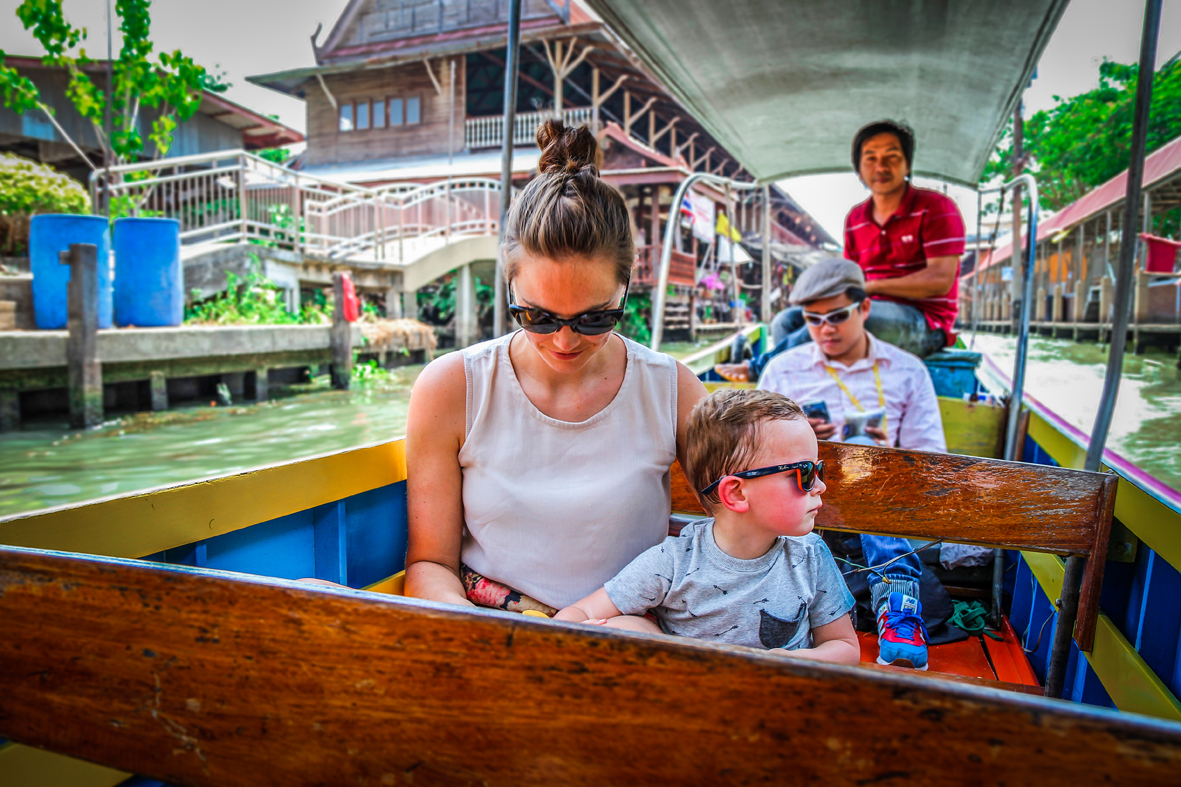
[{"x": 28, "y": 188}]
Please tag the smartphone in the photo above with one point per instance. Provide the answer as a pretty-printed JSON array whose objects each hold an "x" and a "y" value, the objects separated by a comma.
[
  {"x": 856, "y": 423},
  {"x": 816, "y": 410}
]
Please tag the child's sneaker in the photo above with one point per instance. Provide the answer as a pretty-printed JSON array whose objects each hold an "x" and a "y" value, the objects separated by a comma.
[{"x": 902, "y": 635}]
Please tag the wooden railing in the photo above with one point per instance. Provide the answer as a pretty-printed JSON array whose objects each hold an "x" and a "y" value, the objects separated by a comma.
[
  {"x": 488, "y": 132},
  {"x": 682, "y": 267},
  {"x": 394, "y": 19},
  {"x": 234, "y": 196}
]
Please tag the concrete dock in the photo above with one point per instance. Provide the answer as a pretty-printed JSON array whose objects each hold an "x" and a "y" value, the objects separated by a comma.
[{"x": 147, "y": 368}]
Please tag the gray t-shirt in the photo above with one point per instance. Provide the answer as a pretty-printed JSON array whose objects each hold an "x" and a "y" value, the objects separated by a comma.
[{"x": 696, "y": 590}]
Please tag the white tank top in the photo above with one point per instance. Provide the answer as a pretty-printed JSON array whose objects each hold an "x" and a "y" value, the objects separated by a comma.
[{"x": 552, "y": 508}]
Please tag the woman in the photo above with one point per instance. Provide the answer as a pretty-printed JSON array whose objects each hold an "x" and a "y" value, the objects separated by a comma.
[{"x": 539, "y": 461}]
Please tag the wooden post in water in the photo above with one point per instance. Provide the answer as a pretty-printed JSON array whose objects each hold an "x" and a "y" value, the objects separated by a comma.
[
  {"x": 261, "y": 384},
  {"x": 10, "y": 410},
  {"x": 159, "y": 389},
  {"x": 85, "y": 372},
  {"x": 342, "y": 337}
]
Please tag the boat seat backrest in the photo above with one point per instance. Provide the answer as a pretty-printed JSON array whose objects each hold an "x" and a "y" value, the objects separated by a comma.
[{"x": 965, "y": 499}]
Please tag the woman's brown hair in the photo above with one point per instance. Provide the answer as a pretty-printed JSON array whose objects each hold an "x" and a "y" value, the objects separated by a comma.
[{"x": 567, "y": 210}]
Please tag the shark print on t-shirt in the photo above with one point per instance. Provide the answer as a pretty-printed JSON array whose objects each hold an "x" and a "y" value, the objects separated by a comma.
[{"x": 696, "y": 590}]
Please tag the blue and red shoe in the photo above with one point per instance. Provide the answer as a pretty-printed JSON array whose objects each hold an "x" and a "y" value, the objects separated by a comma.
[{"x": 902, "y": 635}]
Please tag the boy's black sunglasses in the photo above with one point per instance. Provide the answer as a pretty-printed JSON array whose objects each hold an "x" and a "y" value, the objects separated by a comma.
[
  {"x": 806, "y": 475},
  {"x": 592, "y": 323}
]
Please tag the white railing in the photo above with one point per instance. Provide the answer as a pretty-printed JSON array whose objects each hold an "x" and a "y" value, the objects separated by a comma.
[
  {"x": 234, "y": 196},
  {"x": 488, "y": 132}
]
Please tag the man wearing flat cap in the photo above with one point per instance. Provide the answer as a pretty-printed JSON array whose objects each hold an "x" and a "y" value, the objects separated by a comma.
[{"x": 851, "y": 372}]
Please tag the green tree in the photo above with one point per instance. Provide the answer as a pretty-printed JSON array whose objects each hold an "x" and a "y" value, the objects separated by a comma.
[
  {"x": 171, "y": 83},
  {"x": 1085, "y": 141}
]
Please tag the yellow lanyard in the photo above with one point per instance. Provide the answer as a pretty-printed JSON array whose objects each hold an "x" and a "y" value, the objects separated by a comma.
[{"x": 877, "y": 378}]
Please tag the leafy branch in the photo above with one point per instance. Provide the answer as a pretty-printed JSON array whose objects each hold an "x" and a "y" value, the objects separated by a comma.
[
  {"x": 1085, "y": 141},
  {"x": 171, "y": 84}
]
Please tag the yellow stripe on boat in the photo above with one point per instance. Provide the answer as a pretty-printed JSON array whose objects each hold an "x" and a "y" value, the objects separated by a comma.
[
  {"x": 391, "y": 586},
  {"x": 1129, "y": 681},
  {"x": 143, "y": 524},
  {"x": 24, "y": 766}
]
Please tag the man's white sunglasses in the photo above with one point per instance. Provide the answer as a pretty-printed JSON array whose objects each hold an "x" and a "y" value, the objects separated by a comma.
[{"x": 832, "y": 318}]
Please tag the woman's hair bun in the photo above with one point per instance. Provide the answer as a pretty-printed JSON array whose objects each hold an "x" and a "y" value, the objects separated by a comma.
[{"x": 566, "y": 150}]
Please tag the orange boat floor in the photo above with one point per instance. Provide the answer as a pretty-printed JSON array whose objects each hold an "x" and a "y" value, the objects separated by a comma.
[{"x": 976, "y": 657}]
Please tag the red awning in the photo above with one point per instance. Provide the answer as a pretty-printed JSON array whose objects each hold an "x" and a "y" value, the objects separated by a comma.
[{"x": 1160, "y": 165}]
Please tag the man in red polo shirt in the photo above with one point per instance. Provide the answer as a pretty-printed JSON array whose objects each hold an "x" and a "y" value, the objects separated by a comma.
[{"x": 907, "y": 240}]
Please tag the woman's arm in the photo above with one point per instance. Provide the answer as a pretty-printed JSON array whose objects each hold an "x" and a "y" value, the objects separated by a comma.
[
  {"x": 834, "y": 642},
  {"x": 690, "y": 391},
  {"x": 434, "y": 434}
]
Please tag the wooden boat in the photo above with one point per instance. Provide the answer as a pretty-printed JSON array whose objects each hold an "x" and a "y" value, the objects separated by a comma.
[
  {"x": 160, "y": 633},
  {"x": 195, "y": 675}
]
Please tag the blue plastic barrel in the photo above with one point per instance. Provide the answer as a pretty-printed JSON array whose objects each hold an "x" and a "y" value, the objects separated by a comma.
[
  {"x": 149, "y": 279},
  {"x": 51, "y": 234}
]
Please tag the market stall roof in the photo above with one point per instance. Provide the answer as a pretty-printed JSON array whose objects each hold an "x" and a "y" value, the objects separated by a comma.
[
  {"x": 785, "y": 84},
  {"x": 1162, "y": 168}
]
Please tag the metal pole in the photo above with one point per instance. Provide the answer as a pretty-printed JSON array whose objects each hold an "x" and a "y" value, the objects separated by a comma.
[
  {"x": 768, "y": 311},
  {"x": 666, "y": 249},
  {"x": 1018, "y": 156},
  {"x": 1064, "y": 626},
  {"x": 976, "y": 270},
  {"x": 1011, "y": 448},
  {"x": 450, "y": 145},
  {"x": 1127, "y": 251},
  {"x": 107, "y": 116},
  {"x": 506, "y": 156}
]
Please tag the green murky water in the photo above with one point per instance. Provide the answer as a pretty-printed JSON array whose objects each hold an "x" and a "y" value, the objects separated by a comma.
[
  {"x": 1067, "y": 377},
  {"x": 54, "y": 465},
  {"x": 43, "y": 467}
]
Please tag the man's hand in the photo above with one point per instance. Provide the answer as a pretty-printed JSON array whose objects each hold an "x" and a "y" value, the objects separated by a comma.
[
  {"x": 823, "y": 429},
  {"x": 877, "y": 434}
]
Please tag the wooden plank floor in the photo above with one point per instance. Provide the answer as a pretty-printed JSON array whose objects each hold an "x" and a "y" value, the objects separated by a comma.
[{"x": 976, "y": 660}]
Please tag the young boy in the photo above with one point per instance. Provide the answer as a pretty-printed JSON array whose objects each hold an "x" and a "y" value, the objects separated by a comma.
[{"x": 755, "y": 574}]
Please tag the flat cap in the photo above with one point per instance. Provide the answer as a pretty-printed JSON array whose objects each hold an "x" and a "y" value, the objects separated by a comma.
[{"x": 826, "y": 279}]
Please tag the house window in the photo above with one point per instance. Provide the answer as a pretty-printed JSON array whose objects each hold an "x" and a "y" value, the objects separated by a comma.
[
  {"x": 413, "y": 114},
  {"x": 362, "y": 115},
  {"x": 379, "y": 114},
  {"x": 395, "y": 112},
  {"x": 346, "y": 117}
]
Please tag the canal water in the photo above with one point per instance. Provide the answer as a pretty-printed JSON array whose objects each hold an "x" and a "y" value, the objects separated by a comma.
[
  {"x": 1067, "y": 377},
  {"x": 50, "y": 465}
]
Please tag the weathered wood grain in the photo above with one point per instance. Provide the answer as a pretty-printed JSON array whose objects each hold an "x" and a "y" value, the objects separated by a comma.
[{"x": 197, "y": 679}]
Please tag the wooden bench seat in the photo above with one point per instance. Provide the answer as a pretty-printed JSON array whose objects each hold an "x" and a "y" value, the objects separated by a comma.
[{"x": 198, "y": 677}]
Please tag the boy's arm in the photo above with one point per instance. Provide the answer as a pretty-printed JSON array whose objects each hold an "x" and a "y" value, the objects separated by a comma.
[
  {"x": 595, "y": 607},
  {"x": 835, "y": 643}
]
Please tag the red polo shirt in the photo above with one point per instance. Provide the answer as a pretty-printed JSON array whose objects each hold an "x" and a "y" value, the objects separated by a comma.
[{"x": 926, "y": 224}]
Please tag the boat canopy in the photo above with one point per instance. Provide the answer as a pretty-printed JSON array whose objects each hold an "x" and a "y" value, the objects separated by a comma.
[{"x": 785, "y": 84}]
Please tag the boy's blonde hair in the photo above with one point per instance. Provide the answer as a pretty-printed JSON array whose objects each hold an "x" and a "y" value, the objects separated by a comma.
[{"x": 723, "y": 434}]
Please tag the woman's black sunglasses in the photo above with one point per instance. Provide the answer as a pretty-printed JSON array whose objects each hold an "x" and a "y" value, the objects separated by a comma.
[
  {"x": 592, "y": 323},
  {"x": 806, "y": 475}
]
